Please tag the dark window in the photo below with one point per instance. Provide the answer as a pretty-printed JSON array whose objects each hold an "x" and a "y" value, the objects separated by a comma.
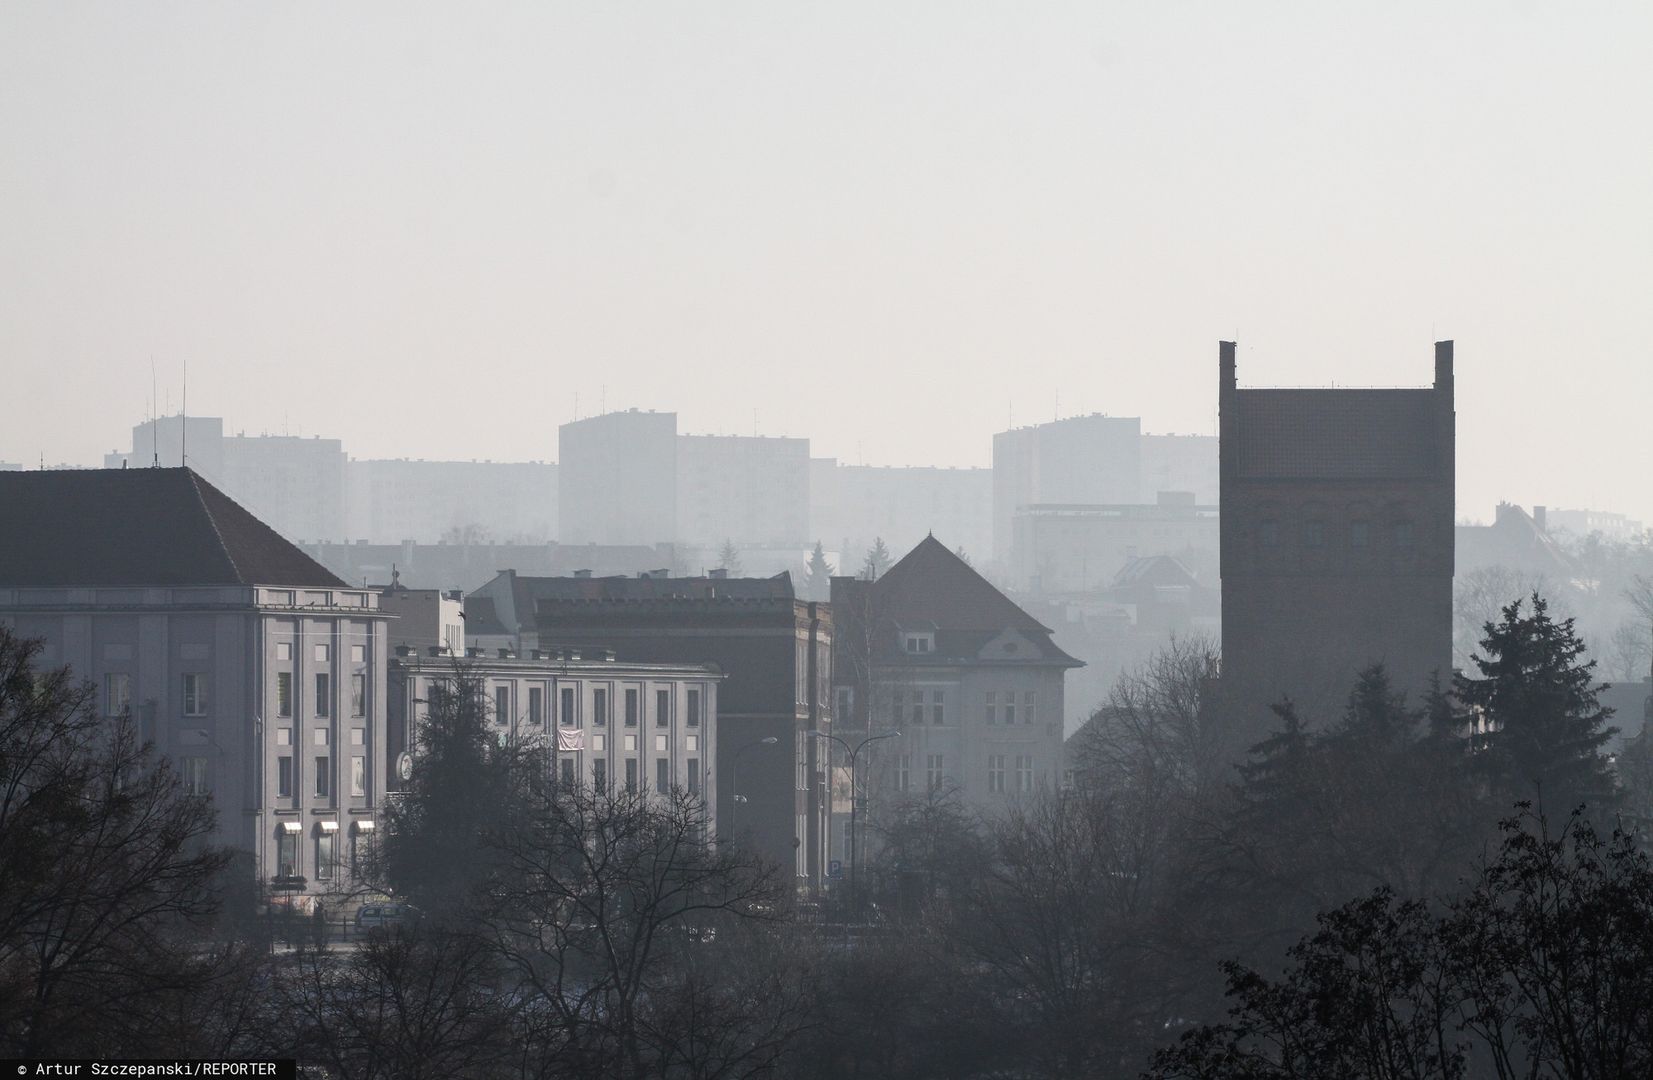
[
  {"x": 599, "y": 775},
  {"x": 568, "y": 717},
  {"x": 284, "y": 693},
  {"x": 568, "y": 770},
  {"x": 938, "y": 706},
  {"x": 536, "y": 705},
  {"x": 693, "y": 767},
  {"x": 324, "y": 695},
  {"x": 694, "y": 708},
  {"x": 321, "y": 778},
  {"x": 502, "y": 704},
  {"x": 662, "y": 774},
  {"x": 631, "y": 774},
  {"x": 662, "y": 708},
  {"x": 284, "y": 776},
  {"x": 287, "y": 853},
  {"x": 324, "y": 857},
  {"x": 631, "y": 708},
  {"x": 195, "y": 695},
  {"x": 599, "y": 708}
]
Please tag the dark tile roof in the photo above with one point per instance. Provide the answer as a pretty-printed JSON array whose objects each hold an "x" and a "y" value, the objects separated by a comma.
[
  {"x": 531, "y": 590},
  {"x": 135, "y": 527}
]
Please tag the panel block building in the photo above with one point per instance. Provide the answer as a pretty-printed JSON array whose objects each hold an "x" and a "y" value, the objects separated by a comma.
[{"x": 1336, "y": 540}]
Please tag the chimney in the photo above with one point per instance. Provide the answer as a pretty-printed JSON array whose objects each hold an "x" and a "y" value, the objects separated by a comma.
[
  {"x": 1443, "y": 365},
  {"x": 1225, "y": 365},
  {"x": 1540, "y": 517},
  {"x": 582, "y": 573},
  {"x": 435, "y": 650},
  {"x": 720, "y": 574},
  {"x": 507, "y": 654}
]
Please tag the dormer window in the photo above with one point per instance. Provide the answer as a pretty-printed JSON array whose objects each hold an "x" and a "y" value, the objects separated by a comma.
[{"x": 920, "y": 643}]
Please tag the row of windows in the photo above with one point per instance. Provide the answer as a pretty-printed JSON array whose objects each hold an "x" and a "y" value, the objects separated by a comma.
[
  {"x": 916, "y": 707},
  {"x": 323, "y": 700},
  {"x": 935, "y": 772},
  {"x": 662, "y": 774},
  {"x": 326, "y": 855},
  {"x": 321, "y": 653},
  {"x": 322, "y": 775},
  {"x": 568, "y": 707}
]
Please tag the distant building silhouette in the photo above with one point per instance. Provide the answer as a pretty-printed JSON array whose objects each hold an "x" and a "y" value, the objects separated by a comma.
[{"x": 1336, "y": 538}]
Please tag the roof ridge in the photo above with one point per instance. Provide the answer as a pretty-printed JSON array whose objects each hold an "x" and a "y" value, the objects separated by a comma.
[{"x": 212, "y": 520}]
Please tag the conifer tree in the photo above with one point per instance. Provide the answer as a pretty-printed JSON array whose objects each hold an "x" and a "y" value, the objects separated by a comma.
[
  {"x": 1534, "y": 714},
  {"x": 877, "y": 561},
  {"x": 818, "y": 581},
  {"x": 729, "y": 558}
]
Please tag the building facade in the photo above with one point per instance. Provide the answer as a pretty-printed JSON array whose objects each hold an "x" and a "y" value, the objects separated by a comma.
[
  {"x": 851, "y": 506},
  {"x": 617, "y": 479},
  {"x": 259, "y": 673},
  {"x": 751, "y": 489},
  {"x": 636, "y": 727},
  {"x": 773, "y": 649},
  {"x": 1059, "y": 549},
  {"x": 1336, "y": 541},
  {"x": 392, "y": 500},
  {"x": 971, "y": 682}
]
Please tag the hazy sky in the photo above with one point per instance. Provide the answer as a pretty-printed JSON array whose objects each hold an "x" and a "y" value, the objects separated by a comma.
[{"x": 428, "y": 228}]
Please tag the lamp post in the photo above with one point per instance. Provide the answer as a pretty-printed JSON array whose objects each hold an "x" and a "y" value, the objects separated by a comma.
[
  {"x": 735, "y": 797},
  {"x": 854, "y": 752}
]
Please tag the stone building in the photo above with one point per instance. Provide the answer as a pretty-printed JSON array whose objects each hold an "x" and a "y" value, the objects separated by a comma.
[
  {"x": 258, "y": 672},
  {"x": 649, "y": 727},
  {"x": 1336, "y": 540},
  {"x": 773, "y": 649},
  {"x": 972, "y": 682}
]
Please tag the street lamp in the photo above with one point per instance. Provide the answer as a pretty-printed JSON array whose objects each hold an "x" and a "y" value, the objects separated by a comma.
[
  {"x": 854, "y": 752},
  {"x": 736, "y": 798}
]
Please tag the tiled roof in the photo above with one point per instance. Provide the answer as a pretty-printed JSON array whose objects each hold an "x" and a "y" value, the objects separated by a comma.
[
  {"x": 532, "y": 590},
  {"x": 138, "y": 527}
]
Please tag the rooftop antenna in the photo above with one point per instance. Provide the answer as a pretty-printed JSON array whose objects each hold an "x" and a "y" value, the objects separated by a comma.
[
  {"x": 154, "y": 421},
  {"x": 183, "y": 415},
  {"x": 754, "y": 423}
]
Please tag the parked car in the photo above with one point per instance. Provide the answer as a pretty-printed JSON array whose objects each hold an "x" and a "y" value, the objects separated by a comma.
[{"x": 382, "y": 915}]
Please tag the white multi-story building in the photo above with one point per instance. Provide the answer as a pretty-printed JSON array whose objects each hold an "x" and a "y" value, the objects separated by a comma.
[
  {"x": 393, "y": 500},
  {"x": 258, "y": 672}
]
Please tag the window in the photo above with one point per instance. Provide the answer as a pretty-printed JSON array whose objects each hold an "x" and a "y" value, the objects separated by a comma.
[
  {"x": 693, "y": 767},
  {"x": 536, "y": 705},
  {"x": 1359, "y": 534},
  {"x": 358, "y": 737},
  {"x": 358, "y": 654},
  {"x": 358, "y": 695},
  {"x": 694, "y": 708},
  {"x": 904, "y": 772},
  {"x": 1024, "y": 772},
  {"x": 900, "y": 703},
  {"x": 284, "y": 776},
  {"x": 324, "y": 857},
  {"x": 320, "y": 735},
  {"x": 195, "y": 695},
  {"x": 599, "y": 775},
  {"x": 568, "y": 717},
  {"x": 1010, "y": 706},
  {"x": 321, "y": 654},
  {"x": 286, "y": 853},
  {"x": 934, "y": 773},
  {"x": 1027, "y": 706},
  {"x": 599, "y": 708},
  {"x": 324, "y": 695},
  {"x": 920, "y": 643},
  {"x": 1269, "y": 533},
  {"x": 195, "y": 775},
  {"x": 568, "y": 771},
  {"x": 918, "y": 708},
  {"x": 662, "y": 774},
  {"x": 117, "y": 693},
  {"x": 1403, "y": 534},
  {"x": 358, "y": 776},
  {"x": 992, "y": 706},
  {"x": 995, "y": 774},
  {"x": 938, "y": 702},
  {"x": 846, "y": 702},
  {"x": 321, "y": 777},
  {"x": 284, "y": 736},
  {"x": 631, "y": 774},
  {"x": 1314, "y": 534},
  {"x": 284, "y": 650},
  {"x": 632, "y": 706},
  {"x": 284, "y": 693},
  {"x": 662, "y": 708}
]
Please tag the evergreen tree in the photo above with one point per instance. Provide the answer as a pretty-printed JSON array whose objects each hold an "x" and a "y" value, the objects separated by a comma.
[
  {"x": 818, "y": 579},
  {"x": 1534, "y": 716},
  {"x": 728, "y": 558},
  {"x": 877, "y": 561}
]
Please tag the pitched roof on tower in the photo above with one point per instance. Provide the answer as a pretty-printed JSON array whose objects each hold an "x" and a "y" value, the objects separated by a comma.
[{"x": 139, "y": 527}]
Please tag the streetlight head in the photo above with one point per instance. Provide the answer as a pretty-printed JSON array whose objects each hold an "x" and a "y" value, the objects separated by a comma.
[
  {"x": 897, "y": 734},
  {"x": 770, "y": 741}
]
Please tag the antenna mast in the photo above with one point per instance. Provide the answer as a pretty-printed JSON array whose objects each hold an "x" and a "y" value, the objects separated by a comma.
[
  {"x": 154, "y": 420},
  {"x": 183, "y": 439}
]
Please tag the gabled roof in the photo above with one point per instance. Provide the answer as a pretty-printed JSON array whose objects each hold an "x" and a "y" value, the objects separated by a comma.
[
  {"x": 931, "y": 586},
  {"x": 137, "y": 527}
]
